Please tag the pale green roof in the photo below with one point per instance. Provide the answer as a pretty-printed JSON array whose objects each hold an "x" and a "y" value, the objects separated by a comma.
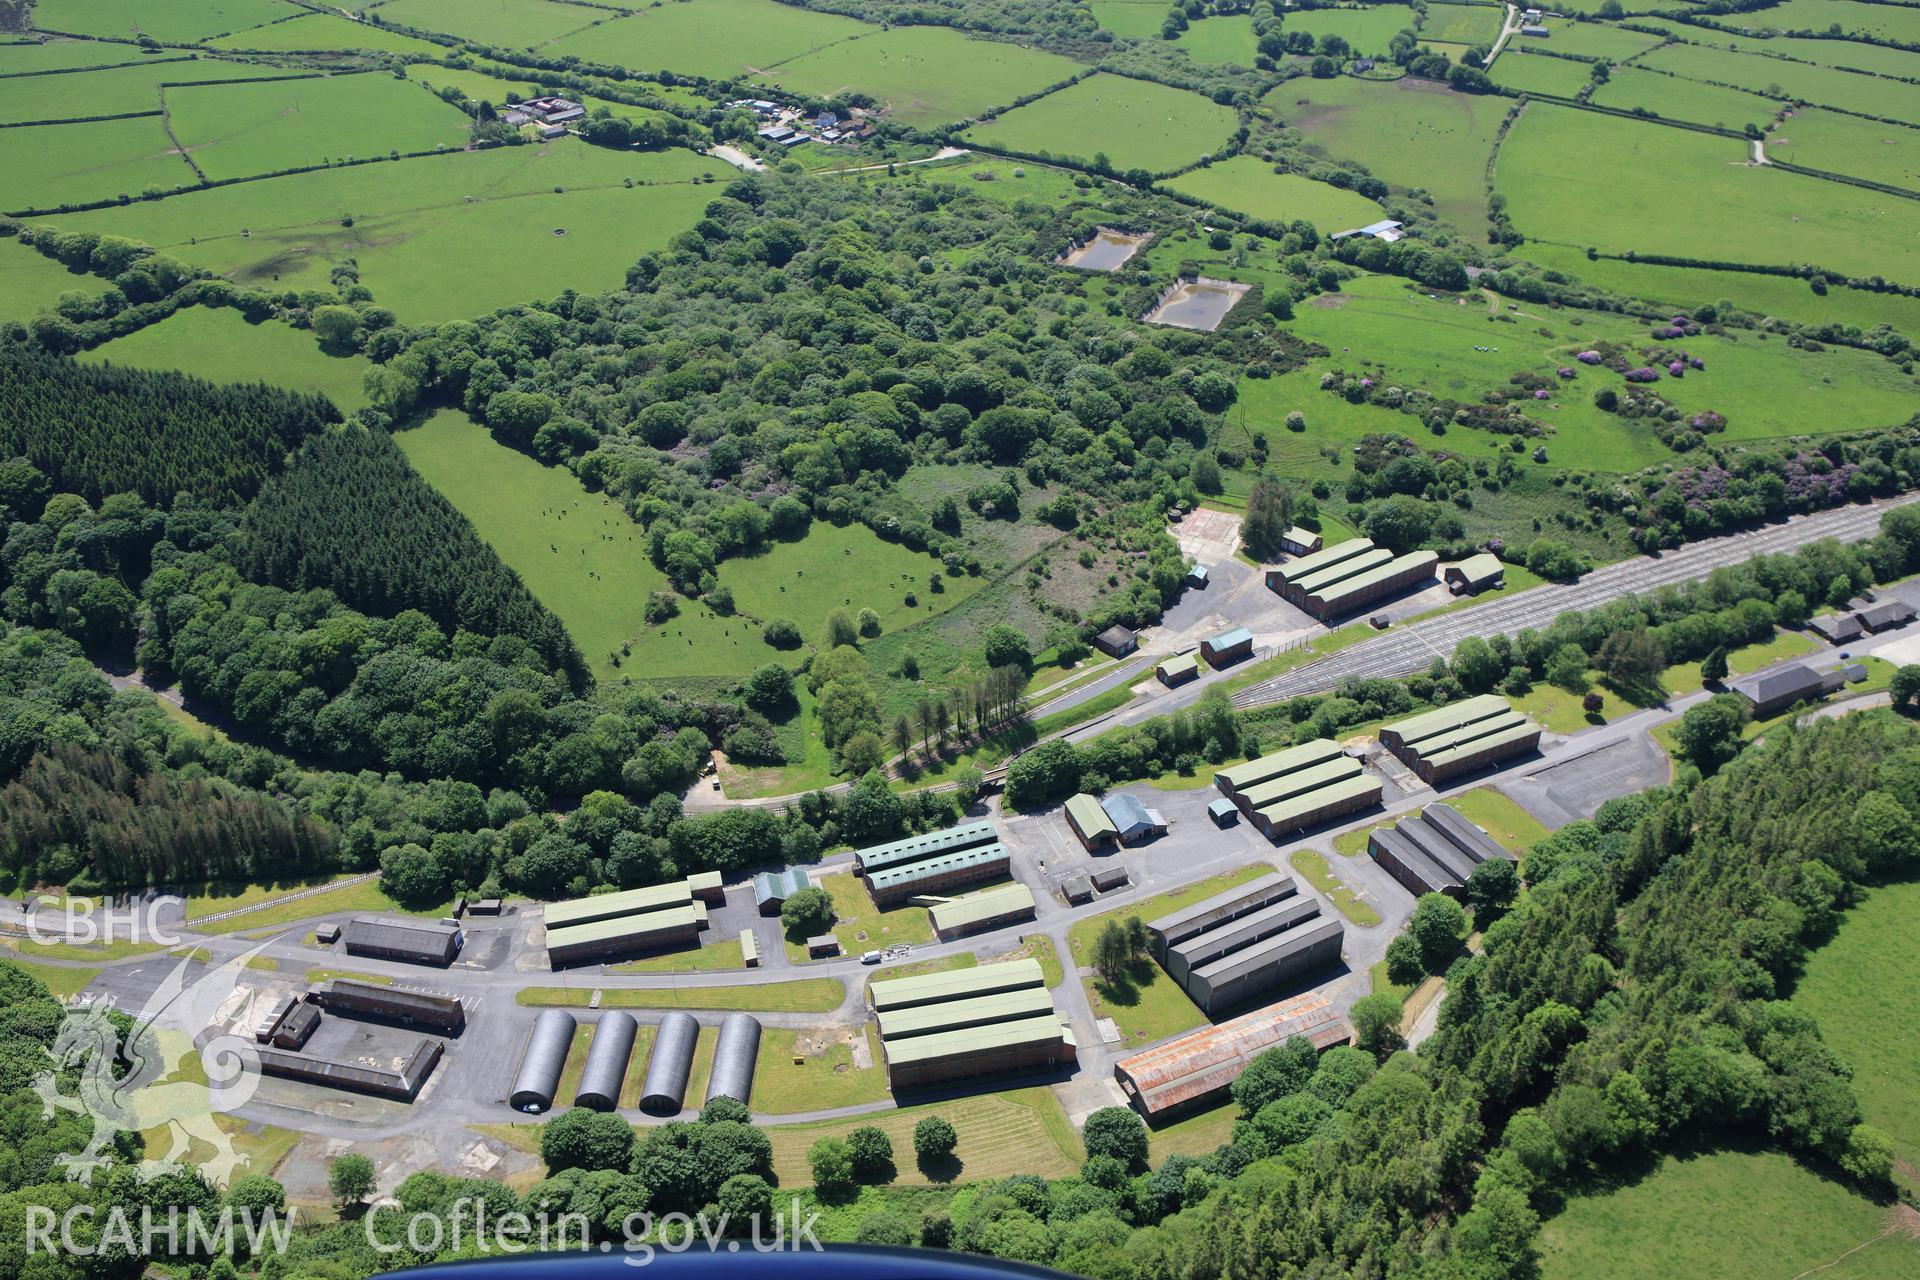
[
  {"x": 1090, "y": 817},
  {"x": 629, "y": 902},
  {"x": 1294, "y": 570},
  {"x": 1476, "y": 737},
  {"x": 1281, "y": 762},
  {"x": 694, "y": 913},
  {"x": 955, "y": 984},
  {"x": 1300, "y": 780},
  {"x": 1322, "y": 579},
  {"x": 914, "y": 848},
  {"x": 749, "y": 945},
  {"x": 1484, "y": 567},
  {"x": 999, "y": 1035},
  {"x": 939, "y": 864},
  {"x": 949, "y": 1015},
  {"x": 701, "y": 881},
  {"x": 1346, "y": 587},
  {"x": 1292, "y": 809},
  {"x": 1427, "y": 723},
  {"x": 1176, "y": 666},
  {"x": 982, "y": 906}
]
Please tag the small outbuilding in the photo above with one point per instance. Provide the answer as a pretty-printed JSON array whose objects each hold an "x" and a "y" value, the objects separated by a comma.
[
  {"x": 1475, "y": 574},
  {"x": 1077, "y": 888},
  {"x": 1300, "y": 542},
  {"x": 1178, "y": 670},
  {"x": 771, "y": 889},
  {"x": 1117, "y": 641},
  {"x": 327, "y": 934},
  {"x": 1112, "y": 877},
  {"x": 1223, "y": 812},
  {"x": 1198, "y": 576},
  {"x": 1228, "y": 646},
  {"x": 822, "y": 945}
]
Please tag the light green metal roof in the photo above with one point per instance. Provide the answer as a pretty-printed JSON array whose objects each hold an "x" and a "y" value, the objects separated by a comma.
[
  {"x": 1301, "y": 535},
  {"x": 1322, "y": 579},
  {"x": 915, "y": 847},
  {"x": 1000, "y": 1035},
  {"x": 694, "y": 913},
  {"x": 749, "y": 945},
  {"x": 1306, "y": 755},
  {"x": 1349, "y": 587},
  {"x": 940, "y": 864},
  {"x": 950, "y": 1015},
  {"x": 629, "y": 902},
  {"x": 982, "y": 906},
  {"x": 1292, "y": 809},
  {"x": 956, "y": 984},
  {"x": 702, "y": 881},
  {"x": 1413, "y": 728},
  {"x": 1294, "y": 570},
  {"x": 1481, "y": 737},
  {"x": 1175, "y": 666},
  {"x": 1481, "y": 568},
  {"x": 1299, "y": 781},
  {"x": 1090, "y": 817}
]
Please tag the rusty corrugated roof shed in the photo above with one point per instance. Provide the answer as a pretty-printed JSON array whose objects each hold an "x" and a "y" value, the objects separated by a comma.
[{"x": 1207, "y": 1060}]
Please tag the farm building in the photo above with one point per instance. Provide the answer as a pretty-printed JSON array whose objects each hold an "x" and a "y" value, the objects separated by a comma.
[
  {"x": 1178, "y": 670},
  {"x": 1223, "y": 813},
  {"x": 967, "y": 1023},
  {"x": 1774, "y": 691},
  {"x": 915, "y": 848},
  {"x": 1434, "y": 851},
  {"x": 1107, "y": 879},
  {"x": 1300, "y": 542},
  {"x": 1133, "y": 820},
  {"x": 400, "y": 1082},
  {"x": 1195, "y": 1071},
  {"x": 771, "y": 889},
  {"x": 1453, "y": 740},
  {"x": 1117, "y": 641},
  {"x": 939, "y": 874},
  {"x": 626, "y": 935},
  {"x": 1228, "y": 646},
  {"x": 411, "y": 941},
  {"x": 1011, "y": 904},
  {"x": 1089, "y": 822},
  {"x": 391, "y": 1004},
  {"x": 1535, "y": 29},
  {"x": 1475, "y": 574},
  {"x": 1385, "y": 229}
]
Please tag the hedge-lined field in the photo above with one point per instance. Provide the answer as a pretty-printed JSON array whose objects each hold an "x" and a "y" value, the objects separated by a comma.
[
  {"x": 237, "y": 130},
  {"x": 1136, "y": 124},
  {"x": 716, "y": 38},
  {"x": 1248, "y": 185},
  {"x": 927, "y": 75}
]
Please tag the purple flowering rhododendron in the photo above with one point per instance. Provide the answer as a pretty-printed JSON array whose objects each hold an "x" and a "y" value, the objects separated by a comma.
[
  {"x": 1566, "y": 371},
  {"x": 1642, "y": 374},
  {"x": 1677, "y": 369},
  {"x": 1588, "y": 357},
  {"x": 1539, "y": 395}
]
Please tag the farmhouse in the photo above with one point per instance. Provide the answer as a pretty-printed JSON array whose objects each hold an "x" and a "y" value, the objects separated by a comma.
[
  {"x": 1194, "y": 1071},
  {"x": 1433, "y": 851},
  {"x": 1442, "y": 744},
  {"x": 1090, "y": 824},
  {"x": 411, "y": 941},
  {"x": 1237, "y": 945},
  {"x": 1475, "y": 574},
  {"x": 1385, "y": 229},
  {"x": 1133, "y": 820},
  {"x": 967, "y": 1023},
  {"x": 1228, "y": 646},
  {"x": 1117, "y": 641}
]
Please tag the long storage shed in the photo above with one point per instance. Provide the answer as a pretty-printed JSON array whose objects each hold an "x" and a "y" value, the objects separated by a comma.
[
  {"x": 954, "y": 984},
  {"x": 1242, "y": 777},
  {"x": 915, "y": 848},
  {"x": 943, "y": 871},
  {"x": 1315, "y": 807}
]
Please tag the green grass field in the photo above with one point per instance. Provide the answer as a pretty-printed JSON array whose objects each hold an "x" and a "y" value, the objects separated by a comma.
[
  {"x": 1134, "y": 123},
  {"x": 53, "y": 164},
  {"x": 62, "y": 980},
  {"x": 1559, "y": 170},
  {"x": 1822, "y": 86},
  {"x": 926, "y": 75},
  {"x": 218, "y": 344},
  {"x": 1730, "y": 1213},
  {"x": 1248, "y": 185},
  {"x": 485, "y": 86},
  {"x": 864, "y": 926},
  {"x": 1599, "y": 40},
  {"x": 115, "y": 90},
  {"x": 1488, "y": 807},
  {"x": 324, "y": 31},
  {"x": 235, "y": 130},
  {"x": 1226, "y": 38},
  {"x": 418, "y": 224},
  {"x": 1849, "y": 54},
  {"x": 1860, "y": 988},
  {"x": 58, "y": 55},
  {"x": 1367, "y": 29},
  {"x": 579, "y": 553},
  {"x": 31, "y": 282},
  {"x": 1135, "y": 19},
  {"x": 1837, "y": 143},
  {"x": 178, "y": 21},
  {"x": 1001, "y": 1134},
  {"x": 275, "y": 915},
  {"x": 799, "y": 995},
  {"x": 713, "y": 38},
  {"x": 1313, "y": 866},
  {"x": 824, "y": 1077},
  {"x": 522, "y": 23},
  {"x": 1467, "y": 24},
  {"x": 1409, "y": 133},
  {"x": 710, "y": 957},
  {"x": 841, "y": 567},
  {"x": 1678, "y": 98},
  {"x": 1149, "y": 1005},
  {"x": 1885, "y": 22},
  {"x": 1537, "y": 73}
]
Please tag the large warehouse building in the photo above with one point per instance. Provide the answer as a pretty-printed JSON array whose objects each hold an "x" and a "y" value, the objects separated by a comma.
[
  {"x": 410, "y": 941},
  {"x": 407, "y": 1007},
  {"x": 1240, "y": 944},
  {"x": 1348, "y": 576},
  {"x": 1433, "y": 851},
  {"x": 608, "y": 926},
  {"x": 977, "y": 913},
  {"x": 966, "y": 1023},
  {"x": 1195, "y": 1071},
  {"x": 1299, "y": 788},
  {"x": 935, "y": 863},
  {"x": 1469, "y": 735}
]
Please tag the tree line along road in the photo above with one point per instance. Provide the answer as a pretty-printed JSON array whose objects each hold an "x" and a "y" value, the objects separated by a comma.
[{"x": 1413, "y": 648}]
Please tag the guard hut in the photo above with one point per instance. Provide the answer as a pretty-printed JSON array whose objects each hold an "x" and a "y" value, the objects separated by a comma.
[
  {"x": 545, "y": 1057},
  {"x": 607, "y": 1057},
  {"x": 665, "y": 1091}
]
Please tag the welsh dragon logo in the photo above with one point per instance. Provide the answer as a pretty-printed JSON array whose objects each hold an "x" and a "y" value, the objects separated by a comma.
[{"x": 146, "y": 1082}]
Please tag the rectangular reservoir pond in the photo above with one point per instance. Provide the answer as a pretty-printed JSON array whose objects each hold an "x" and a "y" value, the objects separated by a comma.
[
  {"x": 1107, "y": 251},
  {"x": 1197, "y": 304}
]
